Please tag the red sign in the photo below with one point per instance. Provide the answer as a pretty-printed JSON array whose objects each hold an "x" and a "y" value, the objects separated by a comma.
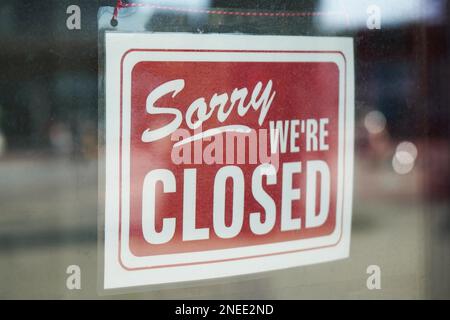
[{"x": 225, "y": 155}]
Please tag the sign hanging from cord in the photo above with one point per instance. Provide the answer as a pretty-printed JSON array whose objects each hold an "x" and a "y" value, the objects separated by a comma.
[{"x": 225, "y": 155}]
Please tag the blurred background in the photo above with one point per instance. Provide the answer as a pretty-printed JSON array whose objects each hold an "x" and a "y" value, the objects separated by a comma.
[{"x": 49, "y": 123}]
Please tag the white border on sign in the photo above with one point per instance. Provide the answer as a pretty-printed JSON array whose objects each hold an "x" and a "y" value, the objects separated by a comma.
[{"x": 129, "y": 270}]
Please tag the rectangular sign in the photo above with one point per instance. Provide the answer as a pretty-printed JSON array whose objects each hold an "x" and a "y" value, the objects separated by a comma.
[{"x": 225, "y": 155}]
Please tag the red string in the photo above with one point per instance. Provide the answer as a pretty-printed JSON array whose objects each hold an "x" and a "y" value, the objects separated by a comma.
[
  {"x": 116, "y": 9},
  {"x": 120, "y": 4}
]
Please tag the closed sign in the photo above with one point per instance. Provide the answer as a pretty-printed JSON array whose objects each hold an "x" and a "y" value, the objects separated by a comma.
[{"x": 225, "y": 155}]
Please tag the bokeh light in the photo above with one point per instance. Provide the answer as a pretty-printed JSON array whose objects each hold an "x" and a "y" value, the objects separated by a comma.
[
  {"x": 404, "y": 158},
  {"x": 375, "y": 122}
]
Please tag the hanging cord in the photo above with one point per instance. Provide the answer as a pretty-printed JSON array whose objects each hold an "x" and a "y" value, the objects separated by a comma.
[
  {"x": 114, "y": 21},
  {"x": 120, "y": 4}
]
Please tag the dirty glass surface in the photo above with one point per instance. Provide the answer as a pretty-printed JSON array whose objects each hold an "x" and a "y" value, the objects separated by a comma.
[{"x": 51, "y": 125}]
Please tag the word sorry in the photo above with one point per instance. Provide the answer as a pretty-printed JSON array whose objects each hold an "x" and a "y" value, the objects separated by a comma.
[{"x": 222, "y": 104}]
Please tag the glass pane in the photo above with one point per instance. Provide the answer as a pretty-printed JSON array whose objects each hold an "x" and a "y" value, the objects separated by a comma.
[{"x": 50, "y": 119}]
